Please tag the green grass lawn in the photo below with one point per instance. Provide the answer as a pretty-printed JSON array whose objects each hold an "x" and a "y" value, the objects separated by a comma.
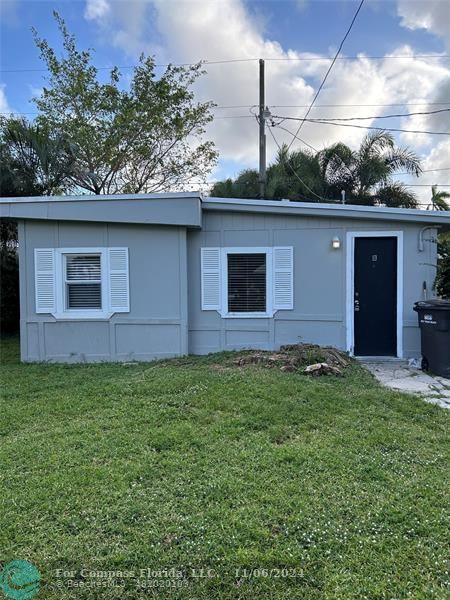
[{"x": 280, "y": 485}]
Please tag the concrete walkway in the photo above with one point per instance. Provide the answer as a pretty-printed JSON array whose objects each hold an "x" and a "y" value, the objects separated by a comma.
[{"x": 398, "y": 375}]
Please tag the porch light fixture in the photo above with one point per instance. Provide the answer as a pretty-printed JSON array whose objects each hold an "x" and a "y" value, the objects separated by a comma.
[{"x": 335, "y": 243}]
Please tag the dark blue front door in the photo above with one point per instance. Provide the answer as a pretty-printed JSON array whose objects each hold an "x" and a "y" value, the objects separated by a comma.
[{"x": 375, "y": 301}]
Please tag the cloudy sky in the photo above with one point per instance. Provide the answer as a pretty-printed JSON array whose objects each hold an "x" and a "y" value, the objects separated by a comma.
[{"x": 411, "y": 72}]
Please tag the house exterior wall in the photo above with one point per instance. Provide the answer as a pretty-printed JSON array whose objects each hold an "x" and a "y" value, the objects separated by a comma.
[
  {"x": 166, "y": 318},
  {"x": 155, "y": 327},
  {"x": 319, "y": 314}
]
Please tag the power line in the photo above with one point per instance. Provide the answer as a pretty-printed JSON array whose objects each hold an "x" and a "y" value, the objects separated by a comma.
[
  {"x": 252, "y": 59},
  {"x": 427, "y": 171},
  {"x": 382, "y": 128},
  {"x": 359, "y": 57},
  {"x": 328, "y": 70},
  {"x": 295, "y": 136},
  {"x": 321, "y": 122},
  {"x": 411, "y": 114},
  {"x": 233, "y": 106},
  {"x": 157, "y": 65},
  {"x": 234, "y": 117},
  {"x": 14, "y": 113},
  {"x": 316, "y": 150},
  {"x": 357, "y": 105}
]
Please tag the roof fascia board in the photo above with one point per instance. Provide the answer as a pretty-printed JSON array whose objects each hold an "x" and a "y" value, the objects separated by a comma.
[
  {"x": 349, "y": 211},
  {"x": 100, "y": 197},
  {"x": 175, "y": 210}
]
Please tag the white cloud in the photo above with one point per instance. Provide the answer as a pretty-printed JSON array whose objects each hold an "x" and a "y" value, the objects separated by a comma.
[
  {"x": 8, "y": 11},
  {"x": 439, "y": 158},
  {"x": 435, "y": 165},
  {"x": 224, "y": 30},
  {"x": 437, "y": 122},
  {"x": 432, "y": 15},
  {"x": 96, "y": 10},
  {"x": 4, "y": 105},
  {"x": 218, "y": 30},
  {"x": 302, "y": 4}
]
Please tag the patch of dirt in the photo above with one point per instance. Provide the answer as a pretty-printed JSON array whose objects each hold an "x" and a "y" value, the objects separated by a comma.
[{"x": 310, "y": 359}]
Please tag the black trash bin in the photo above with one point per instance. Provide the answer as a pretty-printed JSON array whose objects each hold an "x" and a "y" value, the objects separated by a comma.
[{"x": 434, "y": 322}]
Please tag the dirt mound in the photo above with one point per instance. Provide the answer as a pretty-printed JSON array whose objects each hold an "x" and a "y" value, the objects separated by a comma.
[{"x": 307, "y": 358}]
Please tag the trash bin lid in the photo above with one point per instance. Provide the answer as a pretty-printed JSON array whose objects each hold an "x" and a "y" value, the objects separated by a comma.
[{"x": 432, "y": 304}]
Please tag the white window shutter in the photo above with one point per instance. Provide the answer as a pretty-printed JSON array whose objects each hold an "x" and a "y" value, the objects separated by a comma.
[
  {"x": 210, "y": 267},
  {"x": 119, "y": 287},
  {"x": 283, "y": 278},
  {"x": 45, "y": 280}
]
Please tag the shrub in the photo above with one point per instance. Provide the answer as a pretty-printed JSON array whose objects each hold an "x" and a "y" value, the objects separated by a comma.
[{"x": 9, "y": 291}]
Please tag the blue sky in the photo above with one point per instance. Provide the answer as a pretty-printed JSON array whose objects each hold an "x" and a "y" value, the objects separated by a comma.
[{"x": 187, "y": 30}]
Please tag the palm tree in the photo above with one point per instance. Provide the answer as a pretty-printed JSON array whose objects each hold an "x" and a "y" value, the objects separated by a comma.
[
  {"x": 367, "y": 174},
  {"x": 295, "y": 176},
  {"x": 438, "y": 199},
  {"x": 34, "y": 162}
]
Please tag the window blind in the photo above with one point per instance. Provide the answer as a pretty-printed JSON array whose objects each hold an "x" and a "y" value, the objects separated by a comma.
[
  {"x": 83, "y": 282},
  {"x": 246, "y": 283}
]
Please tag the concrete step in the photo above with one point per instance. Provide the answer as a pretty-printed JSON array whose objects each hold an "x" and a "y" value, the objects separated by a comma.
[{"x": 382, "y": 360}]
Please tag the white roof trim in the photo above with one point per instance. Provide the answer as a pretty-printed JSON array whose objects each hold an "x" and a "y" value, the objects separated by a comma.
[
  {"x": 103, "y": 197},
  {"x": 320, "y": 206}
]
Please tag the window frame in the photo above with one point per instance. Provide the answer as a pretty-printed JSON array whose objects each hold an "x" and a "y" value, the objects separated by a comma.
[
  {"x": 62, "y": 312},
  {"x": 67, "y": 282},
  {"x": 268, "y": 313}
]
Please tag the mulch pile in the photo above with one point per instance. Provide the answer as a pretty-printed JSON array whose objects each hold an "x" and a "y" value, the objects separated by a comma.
[{"x": 310, "y": 359}]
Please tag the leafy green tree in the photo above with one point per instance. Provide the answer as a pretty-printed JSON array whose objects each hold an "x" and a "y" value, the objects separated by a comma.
[
  {"x": 145, "y": 138},
  {"x": 443, "y": 272},
  {"x": 246, "y": 185},
  {"x": 366, "y": 174},
  {"x": 292, "y": 175},
  {"x": 33, "y": 162},
  {"x": 439, "y": 202},
  {"x": 439, "y": 199},
  {"x": 394, "y": 195},
  {"x": 295, "y": 176},
  {"x": 9, "y": 291}
]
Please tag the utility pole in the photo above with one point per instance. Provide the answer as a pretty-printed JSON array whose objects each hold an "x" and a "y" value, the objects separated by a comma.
[{"x": 262, "y": 133}]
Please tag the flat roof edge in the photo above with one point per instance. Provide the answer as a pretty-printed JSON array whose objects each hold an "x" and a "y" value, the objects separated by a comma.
[
  {"x": 286, "y": 207},
  {"x": 102, "y": 197},
  {"x": 167, "y": 209}
]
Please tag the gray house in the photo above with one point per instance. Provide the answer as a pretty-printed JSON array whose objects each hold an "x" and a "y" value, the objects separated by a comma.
[{"x": 119, "y": 278}]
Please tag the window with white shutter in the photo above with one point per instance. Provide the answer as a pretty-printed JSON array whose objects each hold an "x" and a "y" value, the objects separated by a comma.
[
  {"x": 247, "y": 282},
  {"x": 82, "y": 283}
]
